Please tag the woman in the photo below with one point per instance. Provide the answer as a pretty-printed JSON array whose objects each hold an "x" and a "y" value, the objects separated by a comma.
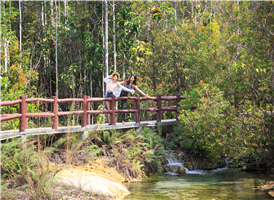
[
  {"x": 114, "y": 88},
  {"x": 131, "y": 83}
]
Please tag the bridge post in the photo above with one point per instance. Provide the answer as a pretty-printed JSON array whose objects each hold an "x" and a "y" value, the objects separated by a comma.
[
  {"x": 159, "y": 107},
  {"x": 177, "y": 105},
  {"x": 88, "y": 119},
  {"x": 138, "y": 109},
  {"x": 135, "y": 114},
  {"x": 84, "y": 107},
  {"x": 27, "y": 122},
  {"x": 55, "y": 111},
  {"x": 112, "y": 107},
  {"x": 23, "y": 112}
]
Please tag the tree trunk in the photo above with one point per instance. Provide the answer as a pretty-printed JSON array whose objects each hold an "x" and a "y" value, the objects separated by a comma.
[
  {"x": 20, "y": 33},
  {"x": 106, "y": 36},
  {"x": 103, "y": 85},
  {"x": 56, "y": 51},
  {"x": 114, "y": 41}
]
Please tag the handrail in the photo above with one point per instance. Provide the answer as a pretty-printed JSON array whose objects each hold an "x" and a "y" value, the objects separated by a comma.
[{"x": 86, "y": 112}]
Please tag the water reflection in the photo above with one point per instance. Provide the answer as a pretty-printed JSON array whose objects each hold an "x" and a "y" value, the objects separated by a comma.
[{"x": 218, "y": 184}]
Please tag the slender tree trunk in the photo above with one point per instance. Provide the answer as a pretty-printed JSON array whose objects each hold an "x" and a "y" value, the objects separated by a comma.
[
  {"x": 114, "y": 36},
  {"x": 210, "y": 10},
  {"x": 6, "y": 44},
  {"x": 124, "y": 76},
  {"x": 103, "y": 85},
  {"x": 20, "y": 33},
  {"x": 45, "y": 3},
  {"x": 91, "y": 104},
  {"x": 80, "y": 64},
  {"x": 42, "y": 14},
  {"x": 56, "y": 51},
  {"x": 175, "y": 13},
  {"x": 106, "y": 36}
]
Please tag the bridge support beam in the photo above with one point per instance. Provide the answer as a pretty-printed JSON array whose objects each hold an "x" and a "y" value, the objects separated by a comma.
[
  {"x": 88, "y": 119},
  {"x": 138, "y": 115},
  {"x": 23, "y": 110},
  {"x": 84, "y": 107},
  {"x": 55, "y": 111},
  {"x": 112, "y": 107},
  {"x": 159, "y": 107}
]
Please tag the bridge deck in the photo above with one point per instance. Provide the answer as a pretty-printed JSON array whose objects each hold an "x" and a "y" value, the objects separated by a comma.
[{"x": 42, "y": 131}]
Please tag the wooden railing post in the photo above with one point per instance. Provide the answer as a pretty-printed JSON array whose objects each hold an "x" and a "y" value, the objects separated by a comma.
[
  {"x": 135, "y": 114},
  {"x": 177, "y": 105},
  {"x": 27, "y": 122},
  {"x": 88, "y": 119},
  {"x": 23, "y": 112},
  {"x": 138, "y": 116},
  {"x": 159, "y": 107},
  {"x": 55, "y": 111},
  {"x": 84, "y": 107},
  {"x": 112, "y": 116}
]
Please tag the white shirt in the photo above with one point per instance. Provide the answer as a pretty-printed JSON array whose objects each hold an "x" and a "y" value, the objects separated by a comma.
[{"x": 116, "y": 88}]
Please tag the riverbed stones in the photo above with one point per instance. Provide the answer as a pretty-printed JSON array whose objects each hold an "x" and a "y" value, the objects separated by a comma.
[{"x": 181, "y": 170}]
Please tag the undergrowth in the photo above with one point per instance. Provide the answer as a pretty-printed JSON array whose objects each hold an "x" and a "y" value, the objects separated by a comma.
[{"x": 28, "y": 168}]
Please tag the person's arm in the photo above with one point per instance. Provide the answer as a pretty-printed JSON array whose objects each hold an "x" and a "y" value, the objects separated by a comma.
[
  {"x": 121, "y": 83},
  {"x": 106, "y": 80},
  {"x": 126, "y": 89},
  {"x": 136, "y": 88}
]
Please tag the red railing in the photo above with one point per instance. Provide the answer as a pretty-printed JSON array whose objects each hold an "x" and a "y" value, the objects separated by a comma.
[{"x": 86, "y": 112}]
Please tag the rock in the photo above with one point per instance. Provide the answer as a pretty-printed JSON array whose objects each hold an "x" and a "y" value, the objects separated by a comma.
[
  {"x": 83, "y": 136},
  {"x": 271, "y": 193},
  {"x": 181, "y": 170},
  {"x": 93, "y": 183}
]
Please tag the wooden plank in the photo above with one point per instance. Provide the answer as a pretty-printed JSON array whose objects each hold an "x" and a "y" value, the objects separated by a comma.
[
  {"x": 63, "y": 113},
  {"x": 126, "y": 98},
  {"x": 36, "y": 100},
  {"x": 9, "y": 103},
  {"x": 126, "y": 111},
  {"x": 74, "y": 129},
  {"x": 169, "y": 108},
  {"x": 5, "y": 117},
  {"x": 149, "y": 109},
  {"x": 169, "y": 98},
  {"x": 95, "y": 99},
  {"x": 99, "y": 112},
  {"x": 148, "y": 98},
  {"x": 70, "y": 100},
  {"x": 42, "y": 114}
]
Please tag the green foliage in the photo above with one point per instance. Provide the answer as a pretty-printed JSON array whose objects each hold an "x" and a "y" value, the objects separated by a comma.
[
  {"x": 218, "y": 130},
  {"x": 132, "y": 152},
  {"x": 26, "y": 166}
]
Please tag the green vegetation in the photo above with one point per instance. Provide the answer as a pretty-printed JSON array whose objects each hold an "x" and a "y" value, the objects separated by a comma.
[
  {"x": 219, "y": 55},
  {"x": 26, "y": 166}
]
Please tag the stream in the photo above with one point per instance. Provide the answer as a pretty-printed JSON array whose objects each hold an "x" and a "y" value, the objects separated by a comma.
[{"x": 222, "y": 183}]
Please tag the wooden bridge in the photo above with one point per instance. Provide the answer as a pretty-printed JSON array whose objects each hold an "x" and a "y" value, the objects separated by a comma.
[{"x": 86, "y": 113}]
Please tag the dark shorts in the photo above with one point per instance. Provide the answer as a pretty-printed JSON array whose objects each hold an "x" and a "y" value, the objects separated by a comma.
[{"x": 108, "y": 94}]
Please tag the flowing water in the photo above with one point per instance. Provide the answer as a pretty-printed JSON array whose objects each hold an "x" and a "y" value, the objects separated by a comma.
[{"x": 223, "y": 183}]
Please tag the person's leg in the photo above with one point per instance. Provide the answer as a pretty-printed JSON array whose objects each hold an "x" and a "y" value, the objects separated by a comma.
[
  {"x": 124, "y": 105},
  {"x": 108, "y": 105}
]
